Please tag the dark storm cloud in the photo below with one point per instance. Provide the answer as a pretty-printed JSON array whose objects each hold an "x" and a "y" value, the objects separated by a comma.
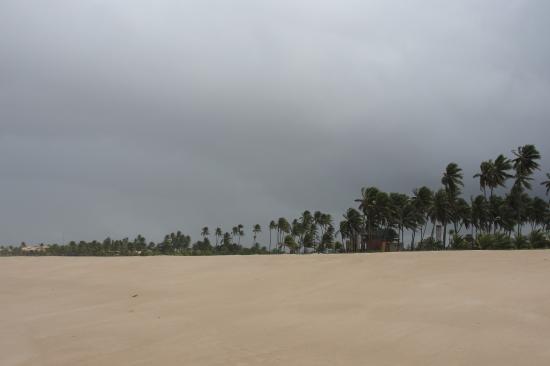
[{"x": 126, "y": 117}]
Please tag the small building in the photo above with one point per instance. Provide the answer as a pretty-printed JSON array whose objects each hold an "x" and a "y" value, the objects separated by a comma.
[
  {"x": 382, "y": 245},
  {"x": 34, "y": 249}
]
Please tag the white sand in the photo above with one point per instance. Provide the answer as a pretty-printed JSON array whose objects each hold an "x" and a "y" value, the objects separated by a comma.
[{"x": 453, "y": 308}]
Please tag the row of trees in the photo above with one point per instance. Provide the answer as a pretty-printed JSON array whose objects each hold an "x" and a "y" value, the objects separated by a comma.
[
  {"x": 430, "y": 220},
  {"x": 384, "y": 216},
  {"x": 172, "y": 244}
]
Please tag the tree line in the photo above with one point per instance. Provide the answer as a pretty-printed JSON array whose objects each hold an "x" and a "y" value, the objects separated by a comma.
[{"x": 430, "y": 219}]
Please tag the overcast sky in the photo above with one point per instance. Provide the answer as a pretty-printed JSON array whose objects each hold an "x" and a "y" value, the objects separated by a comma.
[{"x": 120, "y": 117}]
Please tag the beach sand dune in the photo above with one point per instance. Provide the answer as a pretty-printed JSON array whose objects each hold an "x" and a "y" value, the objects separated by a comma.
[{"x": 432, "y": 308}]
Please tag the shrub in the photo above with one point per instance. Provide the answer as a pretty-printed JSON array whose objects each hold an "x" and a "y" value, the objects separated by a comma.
[
  {"x": 538, "y": 240},
  {"x": 430, "y": 244},
  {"x": 496, "y": 241}
]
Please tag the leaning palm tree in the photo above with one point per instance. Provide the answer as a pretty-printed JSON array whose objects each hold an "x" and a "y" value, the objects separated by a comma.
[
  {"x": 486, "y": 168},
  {"x": 525, "y": 163},
  {"x": 452, "y": 178},
  {"x": 500, "y": 173}
]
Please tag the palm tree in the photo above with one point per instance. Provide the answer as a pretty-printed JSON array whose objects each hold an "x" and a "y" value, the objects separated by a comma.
[
  {"x": 452, "y": 181},
  {"x": 240, "y": 233},
  {"x": 256, "y": 230},
  {"x": 308, "y": 231},
  {"x": 204, "y": 232},
  {"x": 317, "y": 221},
  {"x": 494, "y": 174},
  {"x": 525, "y": 164},
  {"x": 352, "y": 227},
  {"x": 234, "y": 232},
  {"x": 323, "y": 220},
  {"x": 218, "y": 233},
  {"x": 297, "y": 231},
  {"x": 486, "y": 169},
  {"x": 283, "y": 227},
  {"x": 439, "y": 211},
  {"x": 344, "y": 233},
  {"x": 500, "y": 173},
  {"x": 399, "y": 212},
  {"x": 423, "y": 199},
  {"x": 367, "y": 204},
  {"x": 452, "y": 178},
  {"x": 272, "y": 226}
]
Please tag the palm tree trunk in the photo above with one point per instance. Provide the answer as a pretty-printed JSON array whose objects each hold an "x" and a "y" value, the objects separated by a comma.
[{"x": 445, "y": 235}]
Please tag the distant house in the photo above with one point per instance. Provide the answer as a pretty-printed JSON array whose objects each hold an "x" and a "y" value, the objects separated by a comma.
[{"x": 34, "y": 249}]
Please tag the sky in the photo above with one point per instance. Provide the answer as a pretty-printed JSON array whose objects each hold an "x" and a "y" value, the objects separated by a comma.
[{"x": 121, "y": 117}]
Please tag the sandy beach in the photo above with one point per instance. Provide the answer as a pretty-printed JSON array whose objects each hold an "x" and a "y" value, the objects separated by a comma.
[{"x": 432, "y": 308}]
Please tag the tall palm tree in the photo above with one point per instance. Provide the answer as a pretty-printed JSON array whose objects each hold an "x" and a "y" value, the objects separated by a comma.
[
  {"x": 423, "y": 199},
  {"x": 452, "y": 178},
  {"x": 494, "y": 174},
  {"x": 317, "y": 222},
  {"x": 398, "y": 210},
  {"x": 484, "y": 175},
  {"x": 440, "y": 209},
  {"x": 297, "y": 232},
  {"x": 204, "y": 232},
  {"x": 368, "y": 205},
  {"x": 234, "y": 232},
  {"x": 272, "y": 226},
  {"x": 352, "y": 226},
  {"x": 452, "y": 181},
  {"x": 500, "y": 173},
  {"x": 479, "y": 213},
  {"x": 256, "y": 230},
  {"x": 283, "y": 228},
  {"x": 240, "y": 233},
  {"x": 525, "y": 164}
]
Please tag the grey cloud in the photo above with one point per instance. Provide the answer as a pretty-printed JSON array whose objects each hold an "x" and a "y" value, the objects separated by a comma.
[{"x": 126, "y": 117}]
